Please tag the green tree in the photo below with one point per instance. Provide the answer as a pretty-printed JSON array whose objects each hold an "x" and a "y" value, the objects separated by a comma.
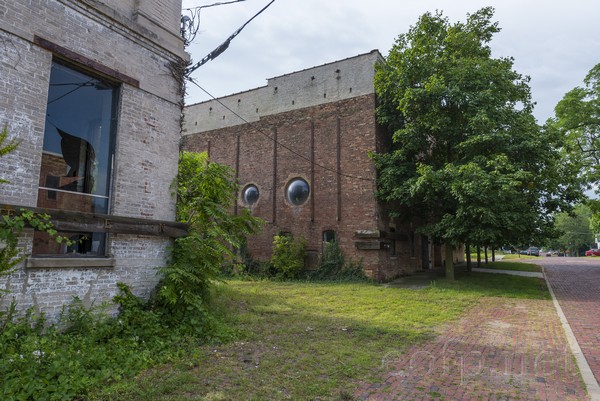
[
  {"x": 574, "y": 228},
  {"x": 594, "y": 205},
  {"x": 468, "y": 160},
  {"x": 577, "y": 116},
  {"x": 206, "y": 193}
]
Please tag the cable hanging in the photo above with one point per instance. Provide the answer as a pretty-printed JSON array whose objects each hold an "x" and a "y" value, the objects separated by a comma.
[
  {"x": 277, "y": 142},
  {"x": 223, "y": 46},
  {"x": 190, "y": 24}
]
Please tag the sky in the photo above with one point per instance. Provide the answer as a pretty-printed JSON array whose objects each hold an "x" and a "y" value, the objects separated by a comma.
[{"x": 554, "y": 42}]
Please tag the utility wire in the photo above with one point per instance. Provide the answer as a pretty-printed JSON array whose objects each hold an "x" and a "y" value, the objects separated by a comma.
[
  {"x": 212, "y": 5},
  {"x": 277, "y": 142},
  {"x": 191, "y": 25},
  {"x": 223, "y": 46},
  {"x": 79, "y": 86}
]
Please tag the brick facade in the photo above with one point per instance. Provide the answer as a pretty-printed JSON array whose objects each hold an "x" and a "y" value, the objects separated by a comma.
[
  {"x": 138, "y": 43},
  {"x": 319, "y": 125}
]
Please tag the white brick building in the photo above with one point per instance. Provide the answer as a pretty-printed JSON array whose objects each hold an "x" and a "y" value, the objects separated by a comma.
[{"x": 91, "y": 88}]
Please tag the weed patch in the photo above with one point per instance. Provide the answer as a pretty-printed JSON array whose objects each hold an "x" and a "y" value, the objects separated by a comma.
[
  {"x": 509, "y": 265},
  {"x": 307, "y": 340}
]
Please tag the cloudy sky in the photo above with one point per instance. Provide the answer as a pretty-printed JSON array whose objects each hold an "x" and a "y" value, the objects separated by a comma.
[{"x": 554, "y": 42}]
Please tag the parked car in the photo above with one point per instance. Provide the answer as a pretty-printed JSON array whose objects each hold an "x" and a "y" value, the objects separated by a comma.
[
  {"x": 532, "y": 251},
  {"x": 592, "y": 252}
]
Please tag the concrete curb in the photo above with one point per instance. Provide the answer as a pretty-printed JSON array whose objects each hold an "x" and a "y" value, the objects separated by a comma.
[
  {"x": 511, "y": 272},
  {"x": 593, "y": 388}
]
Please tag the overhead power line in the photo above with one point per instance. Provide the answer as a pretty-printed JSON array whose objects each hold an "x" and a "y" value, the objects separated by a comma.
[
  {"x": 190, "y": 24},
  {"x": 223, "y": 46},
  {"x": 277, "y": 142}
]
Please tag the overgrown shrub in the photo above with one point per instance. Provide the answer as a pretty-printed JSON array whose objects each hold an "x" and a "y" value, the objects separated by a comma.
[
  {"x": 288, "y": 256},
  {"x": 88, "y": 348},
  {"x": 259, "y": 268},
  {"x": 248, "y": 268},
  {"x": 287, "y": 263},
  {"x": 334, "y": 266},
  {"x": 206, "y": 193},
  {"x": 84, "y": 350}
]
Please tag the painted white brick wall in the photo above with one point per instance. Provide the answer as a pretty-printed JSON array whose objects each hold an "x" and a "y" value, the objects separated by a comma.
[
  {"x": 23, "y": 94},
  {"x": 147, "y": 138}
]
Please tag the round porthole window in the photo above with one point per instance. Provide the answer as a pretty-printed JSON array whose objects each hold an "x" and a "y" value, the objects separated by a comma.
[
  {"x": 297, "y": 191},
  {"x": 250, "y": 194}
]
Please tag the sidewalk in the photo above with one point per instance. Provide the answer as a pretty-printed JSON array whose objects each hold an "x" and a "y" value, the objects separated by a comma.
[{"x": 502, "y": 349}]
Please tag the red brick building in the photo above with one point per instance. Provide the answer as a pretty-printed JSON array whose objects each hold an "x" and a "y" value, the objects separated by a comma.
[{"x": 300, "y": 148}]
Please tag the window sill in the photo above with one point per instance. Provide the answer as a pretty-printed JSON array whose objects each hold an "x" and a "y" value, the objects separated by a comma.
[{"x": 37, "y": 263}]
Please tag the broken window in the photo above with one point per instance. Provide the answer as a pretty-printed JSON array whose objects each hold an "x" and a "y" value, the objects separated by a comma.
[{"x": 77, "y": 156}]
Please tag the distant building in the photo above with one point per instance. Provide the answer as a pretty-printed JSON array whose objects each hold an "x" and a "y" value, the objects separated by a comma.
[
  {"x": 92, "y": 90},
  {"x": 300, "y": 148}
]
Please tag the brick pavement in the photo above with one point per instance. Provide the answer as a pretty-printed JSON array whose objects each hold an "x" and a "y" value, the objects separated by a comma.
[
  {"x": 576, "y": 285},
  {"x": 502, "y": 349}
]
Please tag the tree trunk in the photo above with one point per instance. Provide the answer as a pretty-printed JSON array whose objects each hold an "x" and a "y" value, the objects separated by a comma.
[
  {"x": 468, "y": 252},
  {"x": 493, "y": 254},
  {"x": 449, "y": 262},
  {"x": 478, "y": 256},
  {"x": 485, "y": 249}
]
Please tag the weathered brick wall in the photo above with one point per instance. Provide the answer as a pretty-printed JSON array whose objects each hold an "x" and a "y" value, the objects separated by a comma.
[
  {"x": 49, "y": 290},
  {"x": 23, "y": 94},
  {"x": 358, "y": 209},
  {"x": 110, "y": 34},
  {"x": 146, "y": 156},
  {"x": 330, "y": 106}
]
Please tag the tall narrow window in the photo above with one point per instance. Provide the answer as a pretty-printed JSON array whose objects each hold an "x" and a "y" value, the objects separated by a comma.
[
  {"x": 392, "y": 243},
  {"x": 77, "y": 155},
  {"x": 328, "y": 239},
  {"x": 328, "y": 236}
]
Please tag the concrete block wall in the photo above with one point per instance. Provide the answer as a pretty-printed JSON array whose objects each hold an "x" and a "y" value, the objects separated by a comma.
[
  {"x": 331, "y": 82},
  {"x": 109, "y": 34}
]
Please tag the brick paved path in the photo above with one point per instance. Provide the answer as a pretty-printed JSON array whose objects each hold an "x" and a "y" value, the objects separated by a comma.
[
  {"x": 502, "y": 349},
  {"x": 576, "y": 285}
]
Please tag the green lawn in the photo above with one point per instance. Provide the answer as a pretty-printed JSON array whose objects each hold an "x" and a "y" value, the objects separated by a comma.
[
  {"x": 510, "y": 265},
  {"x": 517, "y": 256},
  {"x": 505, "y": 256},
  {"x": 307, "y": 341}
]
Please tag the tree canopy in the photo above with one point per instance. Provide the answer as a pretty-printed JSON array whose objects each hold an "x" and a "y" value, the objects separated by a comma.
[
  {"x": 575, "y": 234},
  {"x": 467, "y": 159},
  {"x": 578, "y": 119}
]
